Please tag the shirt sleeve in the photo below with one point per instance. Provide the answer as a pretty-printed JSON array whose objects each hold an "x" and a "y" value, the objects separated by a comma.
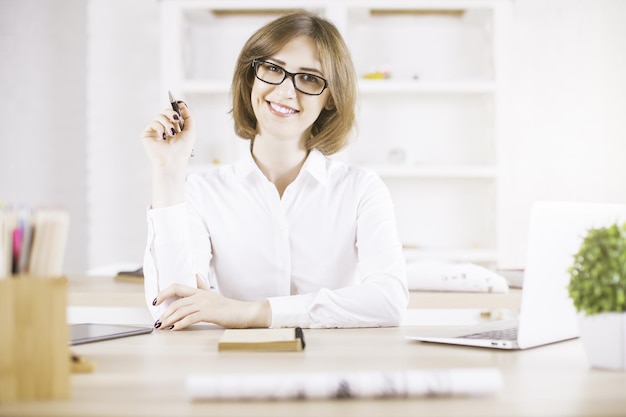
[
  {"x": 167, "y": 257},
  {"x": 381, "y": 296}
]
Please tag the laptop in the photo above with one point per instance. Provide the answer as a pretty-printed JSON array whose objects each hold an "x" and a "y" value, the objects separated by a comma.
[{"x": 547, "y": 313}]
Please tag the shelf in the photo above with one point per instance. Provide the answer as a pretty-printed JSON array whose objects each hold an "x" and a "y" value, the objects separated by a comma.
[
  {"x": 205, "y": 87},
  {"x": 431, "y": 130},
  {"x": 367, "y": 87},
  {"x": 458, "y": 255},
  {"x": 413, "y": 172},
  {"x": 418, "y": 12},
  {"x": 422, "y": 86},
  {"x": 443, "y": 172}
]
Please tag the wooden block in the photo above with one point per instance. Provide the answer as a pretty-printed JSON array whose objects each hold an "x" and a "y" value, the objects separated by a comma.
[
  {"x": 33, "y": 339},
  {"x": 80, "y": 365}
]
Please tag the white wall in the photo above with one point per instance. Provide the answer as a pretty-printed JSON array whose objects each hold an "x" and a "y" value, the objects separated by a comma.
[
  {"x": 568, "y": 133},
  {"x": 122, "y": 97},
  {"x": 566, "y": 138},
  {"x": 42, "y": 111}
]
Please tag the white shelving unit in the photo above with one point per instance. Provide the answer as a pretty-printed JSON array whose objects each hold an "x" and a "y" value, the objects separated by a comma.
[{"x": 431, "y": 130}]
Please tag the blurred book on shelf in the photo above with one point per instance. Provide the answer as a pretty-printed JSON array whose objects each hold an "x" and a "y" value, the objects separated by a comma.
[
  {"x": 33, "y": 241},
  {"x": 135, "y": 275}
]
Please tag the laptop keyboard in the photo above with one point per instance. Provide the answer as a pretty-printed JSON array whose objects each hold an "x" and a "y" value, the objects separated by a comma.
[{"x": 503, "y": 334}]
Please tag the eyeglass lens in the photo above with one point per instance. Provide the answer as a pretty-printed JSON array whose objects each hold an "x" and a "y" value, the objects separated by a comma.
[{"x": 273, "y": 74}]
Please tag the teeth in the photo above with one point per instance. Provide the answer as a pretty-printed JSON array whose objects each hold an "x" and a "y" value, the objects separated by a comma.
[{"x": 283, "y": 110}]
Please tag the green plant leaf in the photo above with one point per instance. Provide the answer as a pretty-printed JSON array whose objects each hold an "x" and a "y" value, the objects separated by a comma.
[{"x": 598, "y": 271}]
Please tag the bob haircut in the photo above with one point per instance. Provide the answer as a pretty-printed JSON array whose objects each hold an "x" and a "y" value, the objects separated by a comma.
[{"x": 331, "y": 131}]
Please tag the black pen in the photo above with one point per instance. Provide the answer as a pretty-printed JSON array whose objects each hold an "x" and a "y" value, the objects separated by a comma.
[
  {"x": 181, "y": 124},
  {"x": 174, "y": 104}
]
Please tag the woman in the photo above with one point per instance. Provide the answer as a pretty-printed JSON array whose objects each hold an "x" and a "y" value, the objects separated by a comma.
[{"x": 285, "y": 237}]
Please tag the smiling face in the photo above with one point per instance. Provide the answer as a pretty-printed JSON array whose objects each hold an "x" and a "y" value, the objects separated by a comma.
[{"x": 282, "y": 111}]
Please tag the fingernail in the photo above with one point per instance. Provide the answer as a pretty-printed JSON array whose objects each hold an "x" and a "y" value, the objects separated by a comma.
[
  {"x": 175, "y": 116},
  {"x": 154, "y": 302},
  {"x": 173, "y": 131},
  {"x": 171, "y": 327},
  {"x": 163, "y": 135},
  {"x": 157, "y": 324},
  {"x": 182, "y": 102}
]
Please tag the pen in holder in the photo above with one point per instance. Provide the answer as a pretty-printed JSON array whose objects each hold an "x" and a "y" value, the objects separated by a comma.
[
  {"x": 34, "y": 347},
  {"x": 34, "y": 351}
]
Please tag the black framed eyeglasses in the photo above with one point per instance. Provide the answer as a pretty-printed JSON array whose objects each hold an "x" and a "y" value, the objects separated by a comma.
[{"x": 306, "y": 83}]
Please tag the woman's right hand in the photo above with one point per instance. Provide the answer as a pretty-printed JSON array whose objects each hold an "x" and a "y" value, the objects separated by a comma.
[
  {"x": 192, "y": 305},
  {"x": 167, "y": 147},
  {"x": 169, "y": 150}
]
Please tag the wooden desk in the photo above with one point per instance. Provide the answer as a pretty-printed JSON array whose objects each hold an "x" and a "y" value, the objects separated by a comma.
[
  {"x": 104, "y": 291},
  {"x": 145, "y": 375}
]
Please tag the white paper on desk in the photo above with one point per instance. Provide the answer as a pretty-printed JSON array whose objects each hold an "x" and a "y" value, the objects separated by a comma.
[
  {"x": 450, "y": 276},
  {"x": 467, "y": 382}
]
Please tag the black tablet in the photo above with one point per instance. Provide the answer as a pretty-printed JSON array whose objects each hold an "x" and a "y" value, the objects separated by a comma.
[{"x": 93, "y": 332}]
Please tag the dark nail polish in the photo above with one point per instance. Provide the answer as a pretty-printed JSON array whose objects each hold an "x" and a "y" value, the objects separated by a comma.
[
  {"x": 157, "y": 324},
  {"x": 173, "y": 131},
  {"x": 163, "y": 135},
  {"x": 175, "y": 116},
  {"x": 154, "y": 302},
  {"x": 171, "y": 327},
  {"x": 182, "y": 102}
]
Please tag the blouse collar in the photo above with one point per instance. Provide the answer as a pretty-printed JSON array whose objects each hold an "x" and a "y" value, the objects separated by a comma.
[{"x": 315, "y": 165}]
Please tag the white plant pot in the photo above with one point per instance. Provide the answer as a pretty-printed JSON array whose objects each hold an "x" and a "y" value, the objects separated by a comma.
[{"x": 604, "y": 338}]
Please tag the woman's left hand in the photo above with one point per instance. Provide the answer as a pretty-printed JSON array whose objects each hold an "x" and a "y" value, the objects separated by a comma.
[{"x": 196, "y": 305}]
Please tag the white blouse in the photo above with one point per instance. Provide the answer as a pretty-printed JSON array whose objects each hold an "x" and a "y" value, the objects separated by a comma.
[{"x": 326, "y": 254}]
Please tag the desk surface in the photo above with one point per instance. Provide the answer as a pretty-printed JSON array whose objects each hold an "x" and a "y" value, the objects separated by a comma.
[
  {"x": 145, "y": 375},
  {"x": 106, "y": 292}
]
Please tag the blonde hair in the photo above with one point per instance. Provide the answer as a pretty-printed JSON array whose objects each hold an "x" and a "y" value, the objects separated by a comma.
[{"x": 331, "y": 131}]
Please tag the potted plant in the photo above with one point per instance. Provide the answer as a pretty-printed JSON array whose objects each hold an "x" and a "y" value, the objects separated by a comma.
[{"x": 598, "y": 288}]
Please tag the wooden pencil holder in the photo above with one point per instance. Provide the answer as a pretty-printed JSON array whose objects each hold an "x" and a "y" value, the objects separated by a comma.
[{"x": 34, "y": 350}]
